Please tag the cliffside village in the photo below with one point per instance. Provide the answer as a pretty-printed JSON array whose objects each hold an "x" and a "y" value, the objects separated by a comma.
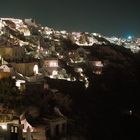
[
  {"x": 30, "y": 52},
  {"x": 26, "y": 56}
]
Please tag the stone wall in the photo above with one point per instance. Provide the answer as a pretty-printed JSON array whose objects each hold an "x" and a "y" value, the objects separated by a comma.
[{"x": 25, "y": 69}]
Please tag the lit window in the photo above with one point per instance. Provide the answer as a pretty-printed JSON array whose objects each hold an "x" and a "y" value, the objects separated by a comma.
[
  {"x": 55, "y": 72},
  {"x": 53, "y": 64}
]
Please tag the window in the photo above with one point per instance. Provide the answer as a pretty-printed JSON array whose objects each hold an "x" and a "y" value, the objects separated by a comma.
[
  {"x": 16, "y": 129},
  {"x": 12, "y": 129}
]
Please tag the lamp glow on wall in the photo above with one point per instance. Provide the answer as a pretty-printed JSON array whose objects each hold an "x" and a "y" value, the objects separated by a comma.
[{"x": 35, "y": 69}]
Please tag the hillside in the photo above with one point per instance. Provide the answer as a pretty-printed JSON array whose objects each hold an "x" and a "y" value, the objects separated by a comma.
[
  {"x": 95, "y": 79},
  {"x": 77, "y": 52}
]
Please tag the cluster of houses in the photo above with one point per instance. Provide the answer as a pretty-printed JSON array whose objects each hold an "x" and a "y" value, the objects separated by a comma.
[
  {"x": 14, "y": 128},
  {"x": 29, "y": 71},
  {"x": 12, "y": 63},
  {"x": 17, "y": 24},
  {"x": 32, "y": 71}
]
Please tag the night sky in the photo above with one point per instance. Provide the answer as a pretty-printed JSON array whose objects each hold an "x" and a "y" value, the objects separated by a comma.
[{"x": 108, "y": 17}]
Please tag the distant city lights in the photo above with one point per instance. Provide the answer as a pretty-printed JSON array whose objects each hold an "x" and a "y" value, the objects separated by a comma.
[{"x": 129, "y": 37}]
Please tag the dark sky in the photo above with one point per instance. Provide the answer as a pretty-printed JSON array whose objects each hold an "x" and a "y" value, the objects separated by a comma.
[{"x": 108, "y": 17}]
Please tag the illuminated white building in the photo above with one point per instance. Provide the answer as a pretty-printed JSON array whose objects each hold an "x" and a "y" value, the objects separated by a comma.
[
  {"x": 4, "y": 68},
  {"x": 5, "y": 71},
  {"x": 97, "y": 67},
  {"x": 51, "y": 66},
  {"x": 17, "y": 24},
  {"x": 1, "y": 24},
  {"x": 26, "y": 124},
  {"x": 19, "y": 83},
  {"x": 50, "y": 63},
  {"x": 35, "y": 69}
]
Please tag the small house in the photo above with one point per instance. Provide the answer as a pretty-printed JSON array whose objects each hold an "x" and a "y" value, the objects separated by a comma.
[
  {"x": 4, "y": 71},
  {"x": 97, "y": 67},
  {"x": 51, "y": 65}
]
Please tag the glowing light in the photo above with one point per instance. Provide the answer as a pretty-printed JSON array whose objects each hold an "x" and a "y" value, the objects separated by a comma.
[
  {"x": 86, "y": 84},
  {"x": 4, "y": 126},
  {"x": 130, "y": 112},
  {"x": 54, "y": 72},
  {"x": 57, "y": 54},
  {"x": 61, "y": 56},
  {"x": 51, "y": 76},
  {"x": 19, "y": 82},
  {"x": 130, "y": 37},
  {"x": 53, "y": 64},
  {"x": 35, "y": 69},
  {"x": 95, "y": 34},
  {"x": 68, "y": 79},
  {"x": 98, "y": 63},
  {"x": 27, "y": 33}
]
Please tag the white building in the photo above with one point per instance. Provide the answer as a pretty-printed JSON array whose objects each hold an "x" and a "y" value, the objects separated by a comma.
[{"x": 5, "y": 68}]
